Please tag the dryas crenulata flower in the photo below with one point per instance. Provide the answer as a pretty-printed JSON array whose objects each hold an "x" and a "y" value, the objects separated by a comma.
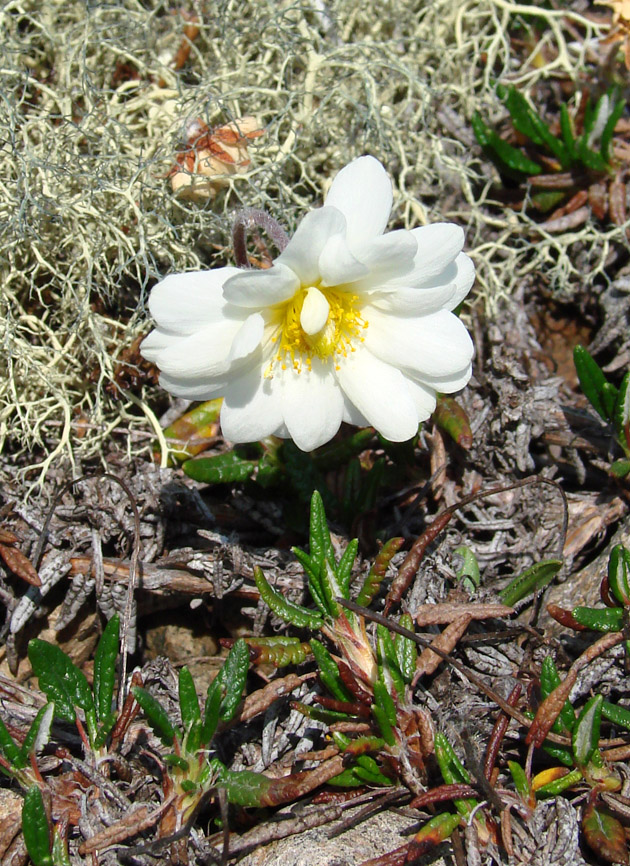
[{"x": 349, "y": 324}]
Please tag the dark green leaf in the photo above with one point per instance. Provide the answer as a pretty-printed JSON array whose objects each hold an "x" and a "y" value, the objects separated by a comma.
[
  {"x": 61, "y": 681},
  {"x": 388, "y": 661},
  {"x": 621, "y": 411},
  {"x": 586, "y": 731},
  {"x": 188, "y": 700},
  {"x": 232, "y": 677},
  {"x": 617, "y": 715},
  {"x": 599, "y": 619},
  {"x": 105, "y": 667},
  {"x": 38, "y": 734},
  {"x": 226, "y": 468},
  {"x": 521, "y": 782},
  {"x": 620, "y": 468},
  {"x": 9, "y": 747},
  {"x": 609, "y": 128},
  {"x": 211, "y": 712},
  {"x": 329, "y": 672},
  {"x": 282, "y": 607},
  {"x": 592, "y": 380},
  {"x": 533, "y": 579},
  {"x": 156, "y": 715},
  {"x": 619, "y": 574},
  {"x": 344, "y": 568},
  {"x": 35, "y": 828},
  {"x": 406, "y": 650}
]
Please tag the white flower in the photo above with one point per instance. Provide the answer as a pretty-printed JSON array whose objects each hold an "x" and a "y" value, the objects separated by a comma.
[{"x": 349, "y": 324}]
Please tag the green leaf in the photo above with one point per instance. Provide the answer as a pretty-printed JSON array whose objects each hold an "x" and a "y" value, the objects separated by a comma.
[
  {"x": 9, "y": 747},
  {"x": 533, "y": 579},
  {"x": 105, "y": 667},
  {"x": 511, "y": 157},
  {"x": 156, "y": 715},
  {"x": 62, "y": 682},
  {"x": 435, "y": 831},
  {"x": 228, "y": 468},
  {"x": 620, "y": 468},
  {"x": 619, "y": 574},
  {"x": 329, "y": 672},
  {"x": 294, "y": 613},
  {"x": 38, "y": 733},
  {"x": 384, "y": 711},
  {"x": 190, "y": 712},
  {"x": 311, "y": 569},
  {"x": 609, "y": 128},
  {"x": 621, "y": 412},
  {"x": 617, "y": 715},
  {"x": 521, "y": 782},
  {"x": 520, "y": 111},
  {"x": 406, "y": 650},
  {"x": 469, "y": 571},
  {"x": 558, "y": 786},
  {"x": 586, "y": 731},
  {"x": 188, "y": 699},
  {"x": 330, "y": 588},
  {"x": 607, "y": 619},
  {"x": 232, "y": 678},
  {"x": 35, "y": 828},
  {"x": 211, "y": 712},
  {"x": 388, "y": 661},
  {"x": 453, "y": 772},
  {"x": 344, "y": 568},
  {"x": 593, "y": 382},
  {"x": 245, "y": 788}
]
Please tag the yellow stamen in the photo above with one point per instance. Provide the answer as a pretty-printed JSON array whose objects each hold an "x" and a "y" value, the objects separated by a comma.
[{"x": 342, "y": 328}]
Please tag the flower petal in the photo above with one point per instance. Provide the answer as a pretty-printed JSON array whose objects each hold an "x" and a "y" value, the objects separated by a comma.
[
  {"x": 388, "y": 256},
  {"x": 155, "y": 343},
  {"x": 252, "y": 408},
  {"x": 257, "y": 289},
  {"x": 337, "y": 265},
  {"x": 362, "y": 191},
  {"x": 412, "y": 302},
  {"x": 423, "y": 397},
  {"x": 438, "y": 246},
  {"x": 203, "y": 355},
  {"x": 180, "y": 303},
  {"x": 463, "y": 279},
  {"x": 436, "y": 345},
  {"x": 303, "y": 250},
  {"x": 380, "y": 393},
  {"x": 192, "y": 389},
  {"x": 312, "y": 405},
  {"x": 445, "y": 384},
  {"x": 247, "y": 338}
]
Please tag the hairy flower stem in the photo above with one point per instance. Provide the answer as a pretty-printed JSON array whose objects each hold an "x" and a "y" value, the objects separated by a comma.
[{"x": 250, "y": 218}]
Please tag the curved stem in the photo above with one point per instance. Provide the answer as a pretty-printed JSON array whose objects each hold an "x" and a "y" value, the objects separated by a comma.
[{"x": 250, "y": 218}]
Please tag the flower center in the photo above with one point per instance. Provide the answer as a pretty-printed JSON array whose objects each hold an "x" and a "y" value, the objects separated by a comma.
[{"x": 317, "y": 321}]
